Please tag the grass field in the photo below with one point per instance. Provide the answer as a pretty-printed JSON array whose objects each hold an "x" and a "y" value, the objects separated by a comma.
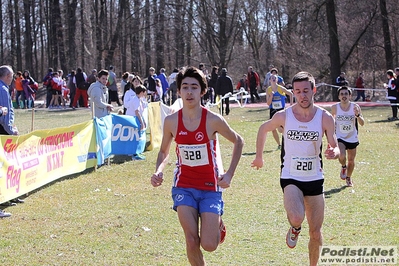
[{"x": 113, "y": 216}]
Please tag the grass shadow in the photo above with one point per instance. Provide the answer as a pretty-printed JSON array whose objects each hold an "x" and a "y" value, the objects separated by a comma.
[
  {"x": 120, "y": 159},
  {"x": 254, "y": 153},
  {"x": 382, "y": 121},
  {"x": 329, "y": 193}
]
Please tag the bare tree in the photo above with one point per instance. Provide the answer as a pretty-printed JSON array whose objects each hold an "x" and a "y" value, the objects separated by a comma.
[
  {"x": 219, "y": 24},
  {"x": 71, "y": 7},
  {"x": 386, "y": 35}
]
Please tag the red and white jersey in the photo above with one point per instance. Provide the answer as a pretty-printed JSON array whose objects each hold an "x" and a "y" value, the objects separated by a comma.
[
  {"x": 301, "y": 157},
  {"x": 197, "y": 157},
  {"x": 346, "y": 124}
]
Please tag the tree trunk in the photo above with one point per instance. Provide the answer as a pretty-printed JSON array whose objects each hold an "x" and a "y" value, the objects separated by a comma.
[
  {"x": 386, "y": 34},
  {"x": 135, "y": 37},
  {"x": 160, "y": 35},
  {"x": 115, "y": 36},
  {"x": 335, "y": 59},
  {"x": 83, "y": 37},
  {"x": 28, "y": 37},
  {"x": 126, "y": 31},
  {"x": 18, "y": 47},
  {"x": 179, "y": 33},
  {"x": 99, "y": 17},
  {"x": 147, "y": 35},
  {"x": 188, "y": 53},
  {"x": 71, "y": 32}
]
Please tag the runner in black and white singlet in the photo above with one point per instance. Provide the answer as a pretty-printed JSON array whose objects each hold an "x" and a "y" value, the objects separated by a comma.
[
  {"x": 302, "y": 174},
  {"x": 347, "y": 117}
]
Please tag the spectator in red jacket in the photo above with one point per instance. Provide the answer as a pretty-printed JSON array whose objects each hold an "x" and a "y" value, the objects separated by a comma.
[
  {"x": 253, "y": 82},
  {"x": 360, "y": 84}
]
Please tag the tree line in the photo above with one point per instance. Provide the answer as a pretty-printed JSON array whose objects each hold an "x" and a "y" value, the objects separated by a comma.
[{"x": 324, "y": 37}]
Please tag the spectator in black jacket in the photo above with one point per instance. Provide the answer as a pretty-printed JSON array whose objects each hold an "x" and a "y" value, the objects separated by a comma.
[
  {"x": 212, "y": 84},
  {"x": 224, "y": 85}
]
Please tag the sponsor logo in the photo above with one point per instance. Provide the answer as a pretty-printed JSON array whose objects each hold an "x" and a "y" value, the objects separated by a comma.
[
  {"x": 179, "y": 197},
  {"x": 182, "y": 133},
  {"x": 345, "y": 117},
  {"x": 199, "y": 136},
  {"x": 302, "y": 135}
]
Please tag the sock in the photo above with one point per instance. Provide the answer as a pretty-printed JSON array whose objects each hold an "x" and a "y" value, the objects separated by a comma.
[
  {"x": 344, "y": 166},
  {"x": 297, "y": 229}
]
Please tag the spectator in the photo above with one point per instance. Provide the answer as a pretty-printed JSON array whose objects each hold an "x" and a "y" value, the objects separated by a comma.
[
  {"x": 266, "y": 82},
  {"x": 135, "y": 107},
  {"x": 112, "y": 87},
  {"x": 172, "y": 85},
  {"x": 98, "y": 93},
  {"x": 341, "y": 80},
  {"x": 173, "y": 91},
  {"x": 212, "y": 85},
  {"x": 392, "y": 94},
  {"x": 124, "y": 81},
  {"x": 253, "y": 83},
  {"x": 242, "y": 83},
  {"x": 92, "y": 77},
  {"x": 172, "y": 77},
  {"x": 224, "y": 85},
  {"x": 126, "y": 88},
  {"x": 158, "y": 86},
  {"x": 20, "y": 96},
  {"x": 164, "y": 83},
  {"x": 7, "y": 118},
  {"x": 151, "y": 86},
  {"x": 56, "y": 86},
  {"x": 31, "y": 88},
  {"x": 46, "y": 83},
  {"x": 80, "y": 80},
  {"x": 71, "y": 87},
  {"x": 360, "y": 84}
]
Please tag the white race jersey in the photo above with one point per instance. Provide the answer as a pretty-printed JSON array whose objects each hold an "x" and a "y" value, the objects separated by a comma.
[{"x": 301, "y": 157}]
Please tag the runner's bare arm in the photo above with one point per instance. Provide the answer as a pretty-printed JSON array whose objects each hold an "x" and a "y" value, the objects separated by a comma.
[
  {"x": 220, "y": 126},
  {"x": 277, "y": 121},
  {"x": 328, "y": 124},
  {"x": 163, "y": 154}
]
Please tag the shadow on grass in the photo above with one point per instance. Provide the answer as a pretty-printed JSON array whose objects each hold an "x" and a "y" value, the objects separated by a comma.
[
  {"x": 254, "y": 153},
  {"x": 383, "y": 121},
  {"x": 330, "y": 192},
  {"x": 120, "y": 159}
]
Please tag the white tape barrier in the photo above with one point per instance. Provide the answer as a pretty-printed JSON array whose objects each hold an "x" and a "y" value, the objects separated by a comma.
[{"x": 356, "y": 89}]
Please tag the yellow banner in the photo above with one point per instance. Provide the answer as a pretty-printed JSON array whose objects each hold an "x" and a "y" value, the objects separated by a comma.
[
  {"x": 155, "y": 121},
  {"x": 30, "y": 161}
]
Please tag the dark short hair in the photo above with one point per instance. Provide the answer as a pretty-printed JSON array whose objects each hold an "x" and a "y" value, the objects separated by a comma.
[
  {"x": 102, "y": 72},
  {"x": 344, "y": 88},
  {"x": 125, "y": 75},
  {"x": 192, "y": 72},
  {"x": 390, "y": 72},
  {"x": 303, "y": 76},
  {"x": 274, "y": 69},
  {"x": 139, "y": 89}
]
